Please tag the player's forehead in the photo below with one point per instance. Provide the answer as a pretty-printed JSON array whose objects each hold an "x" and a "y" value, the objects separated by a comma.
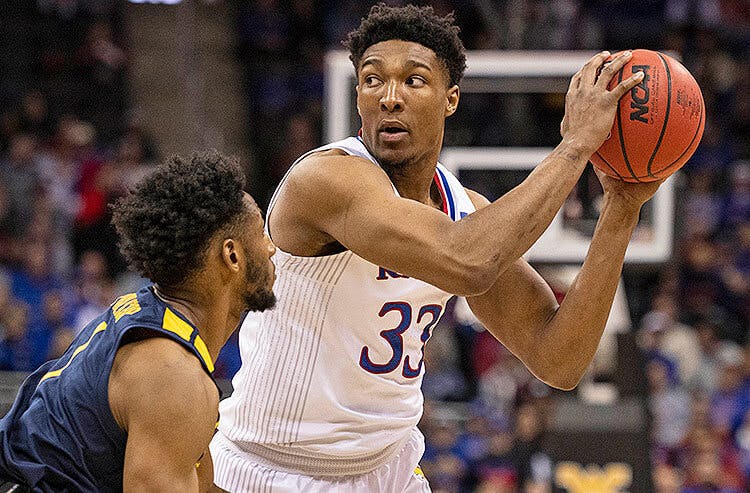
[{"x": 396, "y": 53}]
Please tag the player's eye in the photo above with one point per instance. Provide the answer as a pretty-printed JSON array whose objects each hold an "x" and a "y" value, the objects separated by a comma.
[
  {"x": 371, "y": 80},
  {"x": 415, "y": 81}
]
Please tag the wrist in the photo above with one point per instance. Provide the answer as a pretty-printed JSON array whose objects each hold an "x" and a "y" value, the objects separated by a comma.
[
  {"x": 625, "y": 205},
  {"x": 573, "y": 150}
]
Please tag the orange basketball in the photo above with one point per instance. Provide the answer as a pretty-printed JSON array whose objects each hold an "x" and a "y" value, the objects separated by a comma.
[{"x": 658, "y": 124}]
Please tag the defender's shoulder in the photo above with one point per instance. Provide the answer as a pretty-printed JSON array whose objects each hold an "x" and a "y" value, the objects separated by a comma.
[{"x": 157, "y": 373}]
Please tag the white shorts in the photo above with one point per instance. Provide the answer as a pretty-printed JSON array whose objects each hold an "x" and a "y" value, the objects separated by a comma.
[{"x": 237, "y": 470}]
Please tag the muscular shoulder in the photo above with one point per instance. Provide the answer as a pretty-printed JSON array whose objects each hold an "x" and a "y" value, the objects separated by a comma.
[
  {"x": 316, "y": 194},
  {"x": 159, "y": 380},
  {"x": 334, "y": 170}
]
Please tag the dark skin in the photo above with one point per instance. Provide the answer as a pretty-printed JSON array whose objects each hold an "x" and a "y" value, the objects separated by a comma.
[
  {"x": 158, "y": 391},
  {"x": 403, "y": 98}
]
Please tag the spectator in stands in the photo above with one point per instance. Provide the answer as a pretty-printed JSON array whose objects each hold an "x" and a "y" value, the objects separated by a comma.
[
  {"x": 703, "y": 203},
  {"x": 101, "y": 69},
  {"x": 670, "y": 410},
  {"x": 727, "y": 397},
  {"x": 496, "y": 466},
  {"x": 8, "y": 225},
  {"x": 662, "y": 334},
  {"x": 35, "y": 118},
  {"x": 713, "y": 350},
  {"x": 533, "y": 466},
  {"x": 445, "y": 468},
  {"x": 705, "y": 475},
  {"x": 736, "y": 209},
  {"x": 95, "y": 289},
  {"x": 667, "y": 479},
  {"x": 473, "y": 443},
  {"x": 19, "y": 351},
  {"x": 18, "y": 173},
  {"x": 711, "y": 462},
  {"x": 57, "y": 322}
]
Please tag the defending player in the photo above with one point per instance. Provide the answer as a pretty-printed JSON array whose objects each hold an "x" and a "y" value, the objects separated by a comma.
[
  {"x": 132, "y": 404},
  {"x": 373, "y": 237}
]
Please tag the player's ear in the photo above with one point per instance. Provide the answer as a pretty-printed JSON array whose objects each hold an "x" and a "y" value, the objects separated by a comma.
[
  {"x": 357, "y": 99},
  {"x": 230, "y": 254},
  {"x": 452, "y": 97}
]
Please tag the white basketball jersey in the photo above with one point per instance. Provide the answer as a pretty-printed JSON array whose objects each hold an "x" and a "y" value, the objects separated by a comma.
[{"x": 335, "y": 369}]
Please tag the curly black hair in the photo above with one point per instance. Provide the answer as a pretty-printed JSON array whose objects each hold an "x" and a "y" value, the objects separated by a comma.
[
  {"x": 410, "y": 23},
  {"x": 166, "y": 222}
]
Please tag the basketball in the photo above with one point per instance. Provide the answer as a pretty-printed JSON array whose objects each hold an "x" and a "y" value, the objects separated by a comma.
[{"x": 658, "y": 124}]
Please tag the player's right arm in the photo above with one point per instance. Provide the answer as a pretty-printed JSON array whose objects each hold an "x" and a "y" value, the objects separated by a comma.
[
  {"x": 331, "y": 197},
  {"x": 167, "y": 404}
]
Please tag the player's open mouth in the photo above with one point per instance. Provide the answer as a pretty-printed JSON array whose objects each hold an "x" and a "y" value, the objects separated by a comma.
[{"x": 390, "y": 133}]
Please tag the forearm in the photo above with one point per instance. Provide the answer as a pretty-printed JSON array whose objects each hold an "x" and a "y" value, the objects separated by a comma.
[
  {"x": 570, "y": 339},
  {"x": 516, "y": 220}
]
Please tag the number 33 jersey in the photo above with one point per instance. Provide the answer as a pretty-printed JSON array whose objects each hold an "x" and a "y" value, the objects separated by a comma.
[{"x": 335, "y": 369}]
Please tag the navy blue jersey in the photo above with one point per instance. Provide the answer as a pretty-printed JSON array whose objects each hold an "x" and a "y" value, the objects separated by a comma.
[{"x": 60, "y": 434}]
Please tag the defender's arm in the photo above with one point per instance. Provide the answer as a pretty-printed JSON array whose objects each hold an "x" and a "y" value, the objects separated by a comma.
[{"x": 166, "y": 403}]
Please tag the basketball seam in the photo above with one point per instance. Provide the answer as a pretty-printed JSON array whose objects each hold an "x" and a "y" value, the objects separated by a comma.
[
  {"x": 703, "y": 116},
  {"x": 666, "y": 116},
  {"x": 619, "y": 131},
  {"x": 608, "y": 165}
]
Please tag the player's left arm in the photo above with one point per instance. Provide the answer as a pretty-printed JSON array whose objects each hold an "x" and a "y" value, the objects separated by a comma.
[
  {"x": 555, "y": 342},
  {"x": 167, "y": 404}
]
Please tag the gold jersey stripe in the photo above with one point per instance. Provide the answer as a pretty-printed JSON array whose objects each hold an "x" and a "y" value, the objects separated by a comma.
[
  {"x": 80, "y": 348},
  {"x": 176, "y": 325}
]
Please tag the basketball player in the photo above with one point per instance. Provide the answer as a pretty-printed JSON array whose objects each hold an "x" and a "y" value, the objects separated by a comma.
[
  {"x": 373, "y": 236},
  {"x": 132, "y": 404}
]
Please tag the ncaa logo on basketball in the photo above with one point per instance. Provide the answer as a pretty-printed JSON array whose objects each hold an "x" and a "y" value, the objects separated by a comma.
[{"x": 640, "y": 95}]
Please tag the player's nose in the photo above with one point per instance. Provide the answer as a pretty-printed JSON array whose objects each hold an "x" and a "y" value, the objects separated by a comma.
[{"x": 391, "y": 100}]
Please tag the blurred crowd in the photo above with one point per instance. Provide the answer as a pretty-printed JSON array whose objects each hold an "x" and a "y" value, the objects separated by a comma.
[
  {"x": 68, "y": 147},
  {"x": 70, "y": 144}
]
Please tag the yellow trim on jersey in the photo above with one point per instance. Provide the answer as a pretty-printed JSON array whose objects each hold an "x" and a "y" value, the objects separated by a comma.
[
  {"x": 125, "y": 305},
  {"x": 418, "y": 471},
  {"x": 56, "y": 373},
  {"x": 178, "y": 326},
  {"x": 203, "y": 351}
]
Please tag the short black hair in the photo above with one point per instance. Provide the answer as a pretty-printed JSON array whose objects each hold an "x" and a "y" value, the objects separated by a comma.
[
  {"x": 410, "y": 23},
  {"x": 167, "y": 220}
]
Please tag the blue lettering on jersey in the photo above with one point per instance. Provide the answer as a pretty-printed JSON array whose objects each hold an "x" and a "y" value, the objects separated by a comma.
[
  {"x": 463, "y": 214},
  {"x": 395, "y": 339},
  {"x": 434, "y": 311},
  {"x": 384, "y": 274}
]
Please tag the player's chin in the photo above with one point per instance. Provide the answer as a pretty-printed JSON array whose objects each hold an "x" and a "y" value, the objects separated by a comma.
[
  {"x": 394, "y": 157},
  {"x": 398, "y": 145}
]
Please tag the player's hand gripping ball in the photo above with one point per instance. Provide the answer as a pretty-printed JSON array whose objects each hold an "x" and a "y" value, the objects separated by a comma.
[{"x": 658, "y": 124}]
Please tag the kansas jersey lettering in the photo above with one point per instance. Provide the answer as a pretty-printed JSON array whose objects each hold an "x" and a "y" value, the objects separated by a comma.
[
  {"x": 60, "y": 434},
  {"x": 334, "y": 371}
]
